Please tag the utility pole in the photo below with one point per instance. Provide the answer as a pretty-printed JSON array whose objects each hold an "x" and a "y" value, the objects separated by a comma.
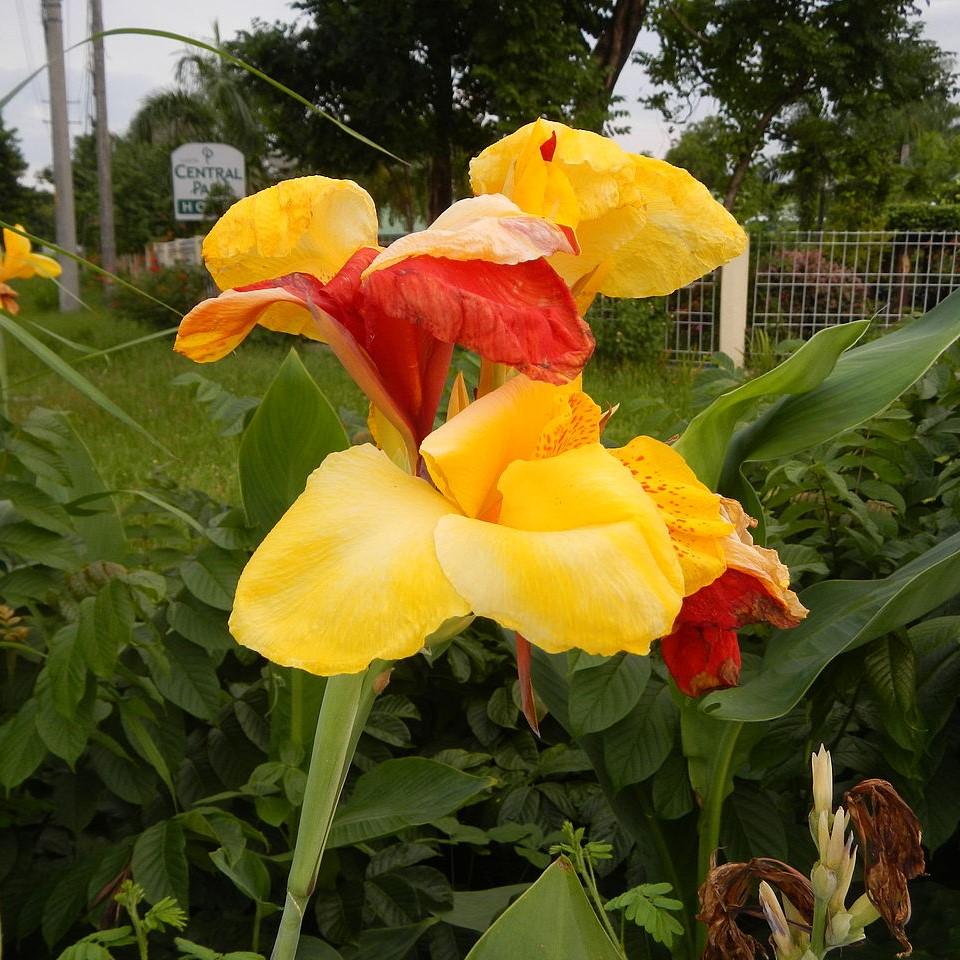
[
  {"x": 62, "y": 170},
  {"x": 108, "y": 240}
]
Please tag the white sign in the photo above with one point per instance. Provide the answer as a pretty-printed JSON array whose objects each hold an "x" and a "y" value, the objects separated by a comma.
[{"x": 199, "y": 166}]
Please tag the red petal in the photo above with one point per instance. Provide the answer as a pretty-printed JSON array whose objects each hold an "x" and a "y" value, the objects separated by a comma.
[
  {"x": 549, "y": 147},
  {"x": 521, "y": 314},
  {"x": 527, "y": 700},
  {"x": 702, "y": 658}
]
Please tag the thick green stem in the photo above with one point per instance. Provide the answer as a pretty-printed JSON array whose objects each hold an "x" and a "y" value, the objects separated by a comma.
[
  {"x": 818, "y": 931},
  {"x": 712, "y": 812},
  {"x": 333, "y": 746}
]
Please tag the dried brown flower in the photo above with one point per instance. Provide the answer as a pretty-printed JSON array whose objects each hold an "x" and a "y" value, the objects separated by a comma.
[
  {"x": 723, "y": 897},
  {"x": 889, "y": 834}
]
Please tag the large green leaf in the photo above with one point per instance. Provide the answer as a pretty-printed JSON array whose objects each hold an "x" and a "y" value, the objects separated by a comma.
[
  {"x": 604, "y": 693},
  {"x": 844, "y": 614},
  {"x": 292, "y": 431},
  {"x": 402, "y": 793},
  {"x": 553, "y": 920},
  {"x": 636, "y": 747},
  {"x": 704, "y": 443},
  {"x": 863, "y": 382}
]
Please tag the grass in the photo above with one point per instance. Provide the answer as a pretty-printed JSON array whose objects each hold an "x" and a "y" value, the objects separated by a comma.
[{"x": 140, "y": 381}]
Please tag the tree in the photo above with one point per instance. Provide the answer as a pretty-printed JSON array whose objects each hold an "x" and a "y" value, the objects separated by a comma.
[
  {"x": 431, "y": 82},
  {"x": 760, "y": 58},
  {"x": 18, "y": 202}
]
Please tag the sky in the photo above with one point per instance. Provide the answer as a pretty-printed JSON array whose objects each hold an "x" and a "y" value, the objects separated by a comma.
[{"x": 138, "y": 65}]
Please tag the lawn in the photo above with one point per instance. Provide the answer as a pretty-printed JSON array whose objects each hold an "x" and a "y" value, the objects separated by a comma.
[{"x": 141, "y": 381}]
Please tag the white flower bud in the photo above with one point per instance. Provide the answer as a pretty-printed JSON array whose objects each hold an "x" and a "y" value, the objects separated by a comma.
[
  {"x": 776, "y": 919},
  {"x": 822, "y": 765},
  {"x": 824, "y": 882}
]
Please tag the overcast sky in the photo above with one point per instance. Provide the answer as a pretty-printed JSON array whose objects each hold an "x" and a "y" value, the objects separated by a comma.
[{"x": 138, "y": 65}]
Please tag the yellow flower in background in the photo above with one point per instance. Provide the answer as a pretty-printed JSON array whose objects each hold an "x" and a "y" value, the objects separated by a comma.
[
  {"x": 528, "y": 520},
  {"x": 18, "y": 263},
  {"x": 645, "y": 227}
]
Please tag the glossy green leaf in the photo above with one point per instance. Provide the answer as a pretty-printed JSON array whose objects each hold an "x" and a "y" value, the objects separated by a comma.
[
  {"x": 291, "y": 433},
  {"x": 65, "y": 738},
  {"x": 66, "y": 670},
  {"x": 704, "y": 443},
  {"x": 603, "y": 694},
  {"x": 38, "y": 545},
  {"x": 844, "y": 614},
  {"x": 160, "y": 862},
  {"x": 200, "y": 625},
  {"x": 36, "y": 506},
  {"x": 141, "y": 739},
  {"x": 553, "y": 920},
  {"x": 863, "y": 382},
  {"x": 76, "y": 379},
  {"x": 402, "y": 793}
]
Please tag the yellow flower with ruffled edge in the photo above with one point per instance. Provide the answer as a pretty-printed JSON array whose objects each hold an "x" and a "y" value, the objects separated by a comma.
[
  {"x": 645, "y": 227},
  {"x": 526, "y": 519},
  {"x": 19, "y": 263}
]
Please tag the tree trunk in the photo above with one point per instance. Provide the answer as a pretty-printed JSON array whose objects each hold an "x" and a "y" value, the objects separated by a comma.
[
  {"x": 615, "y": 43},
  {"x": 736, "y": 181},
  {"x": 441, "y": 181}
]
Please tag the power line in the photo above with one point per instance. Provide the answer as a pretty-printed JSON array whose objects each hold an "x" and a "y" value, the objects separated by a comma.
[{"x": 27, "y": 48}]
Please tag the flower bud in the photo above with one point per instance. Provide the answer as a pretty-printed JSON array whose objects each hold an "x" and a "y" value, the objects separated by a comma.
[
  {"x": 838, "y": 929},
  {"x": 822, "y": 765},
  {"x": 776, "y": 919},
  {"x": 824, "y": 882},
  {"x": 836, "y": 845},
  {"x": 845, "y": 877}
]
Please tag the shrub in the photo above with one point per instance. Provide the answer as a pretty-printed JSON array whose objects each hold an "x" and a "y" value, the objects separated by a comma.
[
  {"x": 924, "y": 217},
  {"x": 180, "y": 287},
  {"x": 629, "y": 331}
]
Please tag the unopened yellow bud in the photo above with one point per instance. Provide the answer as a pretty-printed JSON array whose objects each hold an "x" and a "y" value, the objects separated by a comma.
[
  {"x": 836, "y": 846},
  {"x": 822, "y": 765},
  {"x": 845, "y": 877},
  {"x": 776, "y": 920}
]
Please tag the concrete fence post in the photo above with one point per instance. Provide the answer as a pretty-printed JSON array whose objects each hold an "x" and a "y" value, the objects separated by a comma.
[{"x": 734, "y": 287}]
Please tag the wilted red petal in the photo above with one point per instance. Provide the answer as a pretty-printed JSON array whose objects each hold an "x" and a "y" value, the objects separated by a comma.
[
  {"x": 889, "y": 834},
  {"x": 723, "y": 897},
  {"x": 520, "y": 314},
  {"x": 702, "y": 658},
  {"x": 702, "y": 653}
]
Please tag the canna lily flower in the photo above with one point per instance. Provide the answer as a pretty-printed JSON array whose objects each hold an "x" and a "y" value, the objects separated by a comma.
[
  {"x": 18, "y": 263},
  {"x": 302, "y": 257},
  {"x": 645, "y": 227},
  {"x": 526, "y": 519},
  {"x": 702, "y": 652}
]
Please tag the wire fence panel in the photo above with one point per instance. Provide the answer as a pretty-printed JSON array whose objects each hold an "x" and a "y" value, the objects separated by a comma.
[{"x": 805, "y": 281}]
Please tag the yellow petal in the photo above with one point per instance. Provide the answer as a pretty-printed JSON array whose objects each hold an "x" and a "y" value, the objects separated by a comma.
[
  {"x": 306, "y": 225},
  {"x": 480, "y": 228},
  {"x": 44, "y": 266},
  {"x": 645, "y": 227},
  {"x": 691, "y": 511},
  {"x": 467, "y": 454},
  {"x": 598, "y": 171},
  {"x": 687, "y": 234},
  {"x": 15, "y": 245},
  {"x": 581, "y": 557},
  {"x": 349, "y": 574}
]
